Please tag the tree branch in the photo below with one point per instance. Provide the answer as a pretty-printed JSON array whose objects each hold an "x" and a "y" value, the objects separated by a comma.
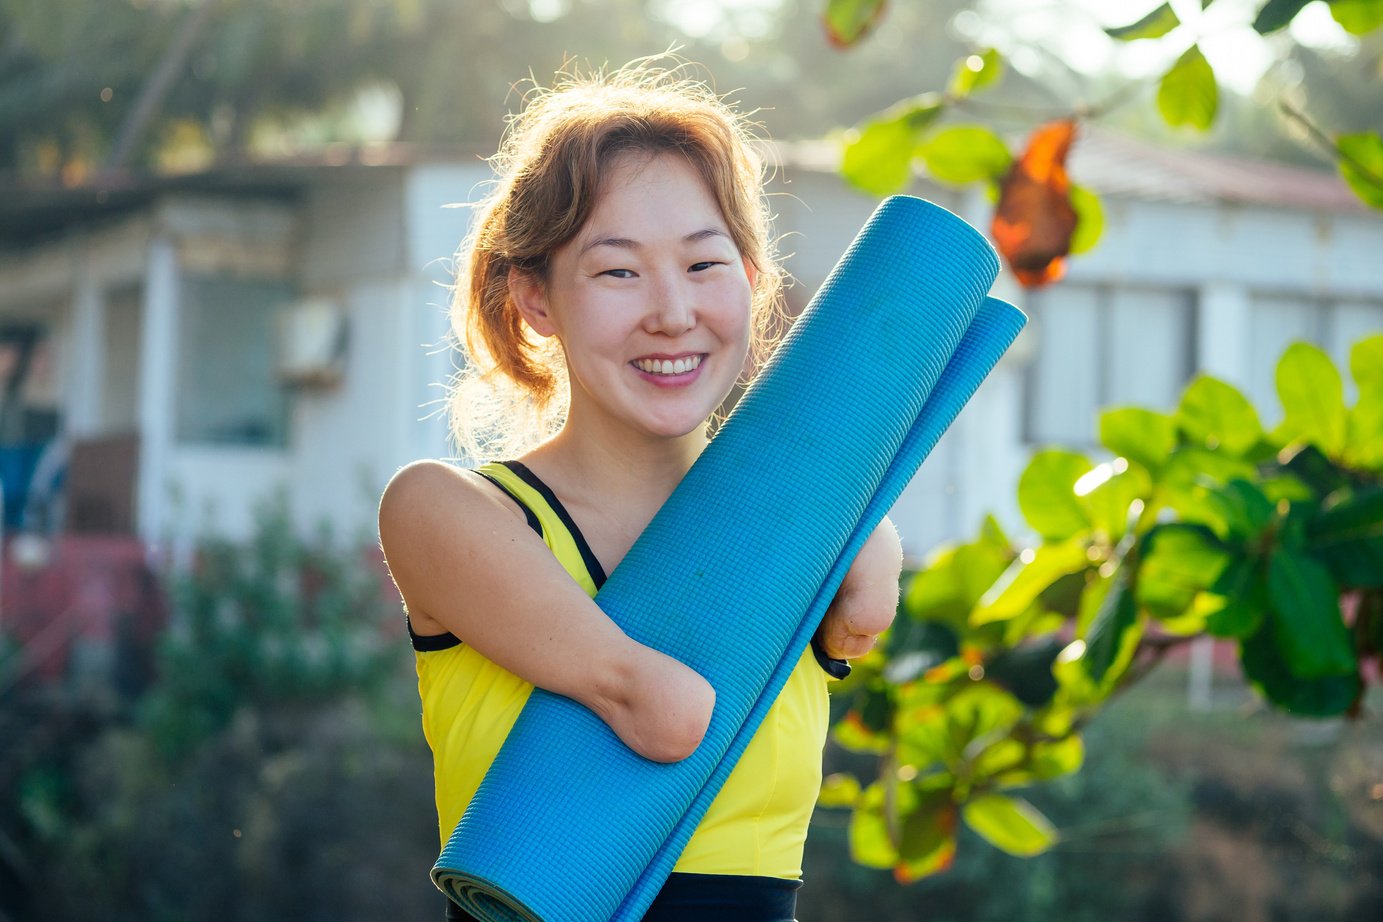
[
  {"x": 1324, "y": 140},
  {"x": 159, "y": 83}
]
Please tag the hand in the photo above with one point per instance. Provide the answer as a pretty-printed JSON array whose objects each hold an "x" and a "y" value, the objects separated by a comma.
[{"x": 867, "y": 600}]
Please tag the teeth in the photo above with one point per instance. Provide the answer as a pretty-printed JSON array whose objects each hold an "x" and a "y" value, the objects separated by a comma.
[{"x": 668, "y": 366}]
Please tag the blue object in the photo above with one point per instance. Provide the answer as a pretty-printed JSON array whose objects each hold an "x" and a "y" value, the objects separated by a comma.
[{"x": 569, "y": 823}]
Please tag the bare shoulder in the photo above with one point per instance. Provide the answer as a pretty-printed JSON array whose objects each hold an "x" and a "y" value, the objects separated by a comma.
[
  {"x": 429, "y": 511},
  {"x": 427, "y": 489}
]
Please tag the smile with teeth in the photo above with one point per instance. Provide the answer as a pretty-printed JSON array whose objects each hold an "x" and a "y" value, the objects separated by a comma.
[{"x": 668, "y": 366}]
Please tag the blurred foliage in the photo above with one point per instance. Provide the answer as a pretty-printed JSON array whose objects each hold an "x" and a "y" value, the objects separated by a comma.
[
  {"x": 1202, "y": 523},
  {"x": 880, "y": 151},
  {"x": 1236, "y": 812},
  {"x": 254, "y": 78},
  {"x": 254, "y": 778},
  {"x": 274, "y": 620}
]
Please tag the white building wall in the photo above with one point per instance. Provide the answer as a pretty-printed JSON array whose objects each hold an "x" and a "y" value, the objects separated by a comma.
[
  {"x": 385, "y": 254},
  {"x": 439, "y": 219},
  {"x": 380, "y": 243}
]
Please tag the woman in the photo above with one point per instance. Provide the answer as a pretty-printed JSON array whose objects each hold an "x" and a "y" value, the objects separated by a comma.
[{"x": 619, "y": 276}]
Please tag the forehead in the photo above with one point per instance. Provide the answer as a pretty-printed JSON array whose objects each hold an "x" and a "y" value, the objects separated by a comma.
[{"x": 661, "y": 189}]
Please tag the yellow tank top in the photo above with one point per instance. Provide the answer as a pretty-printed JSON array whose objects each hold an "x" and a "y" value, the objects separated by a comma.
[{"x": 756, "y": 825}]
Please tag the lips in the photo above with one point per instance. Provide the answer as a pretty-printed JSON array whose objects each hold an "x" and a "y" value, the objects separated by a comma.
[{"x": 668, "y": 367}]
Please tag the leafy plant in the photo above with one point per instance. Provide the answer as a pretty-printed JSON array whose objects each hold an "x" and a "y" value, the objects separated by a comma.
[
  {"x": 1036, "y": 199},
  {"x": 272, "y": 622},
  {"x": 1201, "y": 523}
]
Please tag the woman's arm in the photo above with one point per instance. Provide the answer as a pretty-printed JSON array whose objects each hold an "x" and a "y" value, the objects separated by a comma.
[
  {"x": 465, "y": 560},
  {"x": 867, "y": 599}
]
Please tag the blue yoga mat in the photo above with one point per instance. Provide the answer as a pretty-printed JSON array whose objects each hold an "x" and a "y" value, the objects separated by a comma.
[{"x": 569, "y": 823}]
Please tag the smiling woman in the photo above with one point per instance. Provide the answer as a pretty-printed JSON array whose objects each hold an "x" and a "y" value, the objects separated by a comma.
[
  {"x": 559, "y": 156},
  {"x": 618, "y": 279},
  {"x": 654, "y": 322}
]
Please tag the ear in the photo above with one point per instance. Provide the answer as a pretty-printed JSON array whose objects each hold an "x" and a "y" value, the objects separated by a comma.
[
  {"x": 751, "y": 271},
  {"x": 530, "y": 297}
]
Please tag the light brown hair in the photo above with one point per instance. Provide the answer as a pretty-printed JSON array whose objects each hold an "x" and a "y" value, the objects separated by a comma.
[{"x": 550, "y": 166}]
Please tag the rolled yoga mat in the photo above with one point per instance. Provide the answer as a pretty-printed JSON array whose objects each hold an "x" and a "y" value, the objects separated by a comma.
[{"x": 734, "y": 573}]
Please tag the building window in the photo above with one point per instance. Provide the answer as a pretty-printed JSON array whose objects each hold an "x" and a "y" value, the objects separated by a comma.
[
  {"x": 1101, "y": 346},
  {"x": 228, "y": 391}
]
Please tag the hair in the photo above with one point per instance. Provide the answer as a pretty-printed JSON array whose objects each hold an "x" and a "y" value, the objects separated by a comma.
[{"x": 512, "y": 392}]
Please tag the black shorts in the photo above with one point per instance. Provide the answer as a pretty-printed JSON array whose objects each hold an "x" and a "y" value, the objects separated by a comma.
[{"x": 698, "y": 897}]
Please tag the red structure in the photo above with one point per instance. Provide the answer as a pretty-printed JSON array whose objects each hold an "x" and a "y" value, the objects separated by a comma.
[{"x": 73, "y": 603}]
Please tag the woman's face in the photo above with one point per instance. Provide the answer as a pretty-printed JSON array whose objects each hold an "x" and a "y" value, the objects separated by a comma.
[{"x": 651, "y": 301}]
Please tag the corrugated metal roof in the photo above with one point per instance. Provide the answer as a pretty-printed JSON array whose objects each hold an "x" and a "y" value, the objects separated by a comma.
[
  {"x": 1110, "y": 164},
  {"x": 1122, "y": 166}
]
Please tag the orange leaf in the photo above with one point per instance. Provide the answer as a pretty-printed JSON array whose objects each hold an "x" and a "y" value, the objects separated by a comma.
[{"x": 1034, "y": 221}]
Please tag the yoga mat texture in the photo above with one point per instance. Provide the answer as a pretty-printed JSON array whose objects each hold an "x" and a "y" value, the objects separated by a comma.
[{"x": 569, "y": 823}]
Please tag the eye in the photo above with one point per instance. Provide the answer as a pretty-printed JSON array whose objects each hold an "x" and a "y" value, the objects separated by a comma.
[
  {"x": 618, "y": 273},
  {"x": 703, "y": 266}
]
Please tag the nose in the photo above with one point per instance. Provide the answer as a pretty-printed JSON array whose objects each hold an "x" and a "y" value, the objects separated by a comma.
[{"x": 672, "y": 309}]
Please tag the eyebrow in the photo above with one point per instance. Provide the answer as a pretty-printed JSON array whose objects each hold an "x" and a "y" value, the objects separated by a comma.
[{"x": 625, "y": 243}]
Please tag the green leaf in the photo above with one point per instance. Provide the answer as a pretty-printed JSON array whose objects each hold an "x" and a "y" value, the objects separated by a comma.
[
  {"x": 1046, "y": 494},
  {"x": 1004, "y": 754},
  {"x": 1026, "y": 670},
  {"x": 877, "y": 158},
  {"x": 975, "y": 72},
  {"x": 1311, "y": 634},
  {"x": 953, "y": 581},
  {"x": 1238, "y": 602},
  {"x": 1187, "y": 93},
  {"x": 1154, "y": 25},
  {"x": 1062, "y": 598},
  {"x": 1190, "y": 471},
  {"x": 1111, "y": 503},
  {"x": 1349, "y": 538},
  {"x": 979, "y": 712},
  {"x": 1045, "y": 761},
  {"x": 1364, "y": 441},
  {"x": 866, "y": 726},
  {"x": 1116, "y": 616},
  {"x": 992, "y": 535},
  {"x": 1364, "y": 434},
  {"x": 1366, "y": 364},
  {"x": 1315, "y": 470},
  {"x": 928, "y": 840},
  {"x": 1179, "y": 561},
  {"x": 1265, "y": 666},
  {"x": 1361, "y": 165},
  {"x": 1276, "y": 14},
  {"x": 1358, "y": 17},
  {"x": 1089, "y": 219},
  {"x": 964, "y": 154},
  {"x": 870, "y": 843},
  {"x": 1241, "y": 510},
  {"x": 1027, "y": 578},
  {"x": 1145, "y": 437},
  {"x": 1216, "y": 415},
  {"x": 839, "y": 790},
  {"x": 1057, "y": 758},
  {"x": 848, "y": 21},
  {"x": 1009, "y": 823},
  {"x": 1313, "y": 399}
]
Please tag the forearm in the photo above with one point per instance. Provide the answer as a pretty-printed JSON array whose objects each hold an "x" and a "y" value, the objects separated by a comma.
[
  {"x": 867, "y": 600},
  {"x": 467, "y": 564}
]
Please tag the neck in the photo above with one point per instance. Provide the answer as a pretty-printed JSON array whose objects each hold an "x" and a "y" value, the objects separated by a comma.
[{"x": 593, "y": 464}]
